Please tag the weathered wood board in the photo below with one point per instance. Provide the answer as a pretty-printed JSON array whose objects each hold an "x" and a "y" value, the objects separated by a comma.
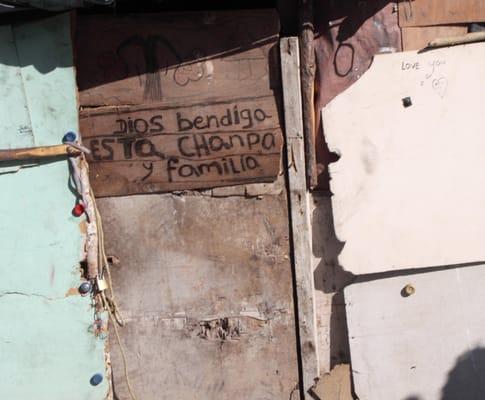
[
  {"x": 440, "y": 12},
  {"x": 418, "y": 37},
  {"x": 155, "y": 149},
  {"x": 179, "y": 101},
  {"x": 427, "y": 346},
  {"x": 299, "y": 212},
  {"x": 205, "y": 287},
  {"x": 408, "y": 188},
  {"x": 167, "y": 57}
]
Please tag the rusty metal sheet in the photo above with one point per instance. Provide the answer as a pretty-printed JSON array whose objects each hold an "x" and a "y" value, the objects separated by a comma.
[{"x": 348, "y": 37}]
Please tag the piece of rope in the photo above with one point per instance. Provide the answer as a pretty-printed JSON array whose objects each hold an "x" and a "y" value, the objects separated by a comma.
[{"x": 108, "y": 301}]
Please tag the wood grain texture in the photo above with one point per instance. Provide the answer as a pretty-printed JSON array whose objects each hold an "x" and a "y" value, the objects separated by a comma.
[
  {"x": 299, "y": 212},
  {"x": 307, "y": 73},
  {"x": 37, "y": 152},
  {"x": 157, "y": 149},
  {"x": 205, "y": 287},
  {"x": 416, "y": 38},
  {"x": 440, "y": 12},
  {"x": 180, "y": 101}
]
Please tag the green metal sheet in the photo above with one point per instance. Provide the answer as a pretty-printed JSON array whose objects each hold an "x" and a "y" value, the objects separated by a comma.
[{"x": 47, "y": 345}]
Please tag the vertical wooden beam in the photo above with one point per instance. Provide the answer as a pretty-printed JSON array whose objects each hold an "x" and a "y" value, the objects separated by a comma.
[
  {"x": 299, "y": 206},
  {"x": 307, "y": 61}
]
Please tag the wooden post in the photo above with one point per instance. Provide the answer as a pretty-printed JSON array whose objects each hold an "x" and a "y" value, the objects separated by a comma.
[
  {"x": 299, "y": 206},
  {"x": 307, "y": 61}
]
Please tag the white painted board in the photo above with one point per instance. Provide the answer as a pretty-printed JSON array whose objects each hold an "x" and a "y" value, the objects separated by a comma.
[
  {"x": 427, "y": 346},
  {"x": 409, "y": 188}
]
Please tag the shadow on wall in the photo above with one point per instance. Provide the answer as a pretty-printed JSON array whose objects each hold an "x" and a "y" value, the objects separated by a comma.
[
  {"x": 348, "y": 35},
  {"x": 329, "y": 276},
  {"x": 130, "y": 49},
  {"x": 466, "y": 378}
]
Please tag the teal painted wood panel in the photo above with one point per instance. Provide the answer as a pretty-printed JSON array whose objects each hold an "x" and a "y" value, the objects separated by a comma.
[
  {"x": 14, "y": 113},
  {"x": 47, "y": 345}
]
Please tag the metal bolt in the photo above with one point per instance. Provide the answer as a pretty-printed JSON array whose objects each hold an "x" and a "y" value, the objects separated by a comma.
[
  {"x": 69, "y": 137},
  {"x": 96, "y": 379},
  {"x": 85, "y": 288},
  {"x": 408, "y": 290}
]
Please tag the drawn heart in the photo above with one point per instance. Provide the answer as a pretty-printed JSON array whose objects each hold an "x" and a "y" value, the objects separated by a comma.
[{"x": 440, "y": 85}]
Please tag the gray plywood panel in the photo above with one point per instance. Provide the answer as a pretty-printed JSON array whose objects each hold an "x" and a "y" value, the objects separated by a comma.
[{"x": 426, "y": 346}]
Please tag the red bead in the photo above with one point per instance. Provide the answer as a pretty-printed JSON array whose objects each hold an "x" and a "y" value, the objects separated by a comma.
[{"x": 78, "y": 210}]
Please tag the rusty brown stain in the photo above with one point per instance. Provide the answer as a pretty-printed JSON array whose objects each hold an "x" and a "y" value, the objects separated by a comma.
[
  {"x": 83, "y": 227},
  {"x": 72, "y": 292}
]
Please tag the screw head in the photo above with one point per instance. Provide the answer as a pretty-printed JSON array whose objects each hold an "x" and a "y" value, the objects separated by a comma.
[
  {"x": 407, "y": 102},
  {"x": 408, "y": 290},
  {"x": 96, "y": 379},
  {"x": 69, "y": 137},
  {"x": 85, "y": 288}
]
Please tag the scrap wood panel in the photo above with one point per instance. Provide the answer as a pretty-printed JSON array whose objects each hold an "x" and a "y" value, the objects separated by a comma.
[
  {"x": 439, "y": 12},
  {"x": 183, "y": 101},
  {"x": 410, "y": 178},
  {"x": 139, "y": 149},
  {"x": 204, "y": 285}
]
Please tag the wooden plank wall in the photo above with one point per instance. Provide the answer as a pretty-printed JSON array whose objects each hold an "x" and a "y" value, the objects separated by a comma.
[
  {"x": 204, "y": 278},
  {"x": 173, "y": 102}
]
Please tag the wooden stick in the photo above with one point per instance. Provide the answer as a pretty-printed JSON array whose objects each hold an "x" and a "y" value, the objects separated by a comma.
[
  {"x": 307, "y": 72},
  {"x": 452, "y": 41},
  {"x": 37, "y": 152},
  {"x": 299, "y": 209}
]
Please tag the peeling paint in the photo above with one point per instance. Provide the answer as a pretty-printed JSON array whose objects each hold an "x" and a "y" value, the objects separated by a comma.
[{"x": 47, "y": 351}]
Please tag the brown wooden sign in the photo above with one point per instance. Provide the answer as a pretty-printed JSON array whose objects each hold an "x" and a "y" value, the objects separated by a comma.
[
  {"x": 136, "y": 149},
  {"x": 179, "y": 103}
]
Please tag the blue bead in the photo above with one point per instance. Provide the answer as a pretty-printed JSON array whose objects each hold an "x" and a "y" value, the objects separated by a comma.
[
  {"x": 69, "y": 137},
  {"x": 96, "y": 379}
]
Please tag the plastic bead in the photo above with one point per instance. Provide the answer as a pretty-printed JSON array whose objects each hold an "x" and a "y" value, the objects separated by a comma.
[
  {"x": 78, "y": 210},
  {"x": 69, "y": 137}
]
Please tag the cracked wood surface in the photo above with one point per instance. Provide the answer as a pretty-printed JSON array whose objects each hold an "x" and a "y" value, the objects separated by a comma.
[{"x": 205, "y": 285}]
